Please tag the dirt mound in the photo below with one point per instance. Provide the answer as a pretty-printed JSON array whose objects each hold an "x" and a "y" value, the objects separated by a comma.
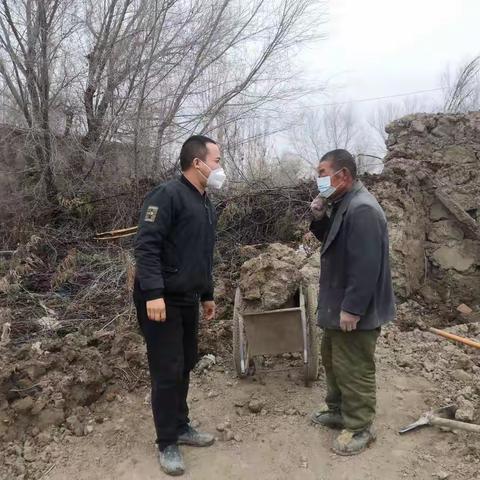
[
  {"x": 449, "y": 365},
  {"x": 47, "y": 382}
]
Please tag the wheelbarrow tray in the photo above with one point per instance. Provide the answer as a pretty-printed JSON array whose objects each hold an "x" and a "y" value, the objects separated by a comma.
[{"x": 274, "y": 332}]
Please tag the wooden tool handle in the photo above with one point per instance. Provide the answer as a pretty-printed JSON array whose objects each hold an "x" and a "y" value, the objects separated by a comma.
[
  {"x": 454, "y": 424},
  {"x": 457, "y": 338}
]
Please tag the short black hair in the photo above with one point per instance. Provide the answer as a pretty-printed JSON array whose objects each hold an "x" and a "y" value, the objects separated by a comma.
[
  {"x": 194, "y": 147},
  {"x": 341, "y": 158}
]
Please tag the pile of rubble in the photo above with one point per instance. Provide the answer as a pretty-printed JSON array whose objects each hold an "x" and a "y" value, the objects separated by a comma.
[
  {"x": 55, "y": 381},
  {"x": 451, "y": 366},
  {"x": 270, "y": 279}
]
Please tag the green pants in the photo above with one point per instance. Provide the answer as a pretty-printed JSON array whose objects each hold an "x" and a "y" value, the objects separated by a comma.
[{"x": 349, "y": 362}]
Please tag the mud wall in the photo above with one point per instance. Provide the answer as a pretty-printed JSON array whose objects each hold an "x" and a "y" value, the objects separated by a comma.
[{"x": 430, "y": 190}]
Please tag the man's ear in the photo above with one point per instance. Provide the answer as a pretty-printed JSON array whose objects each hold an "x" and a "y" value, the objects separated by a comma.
[{"x": 346, "y": 173}]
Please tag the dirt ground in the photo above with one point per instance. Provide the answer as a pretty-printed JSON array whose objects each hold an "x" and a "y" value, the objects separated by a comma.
[{"x": 277, "y": 443}]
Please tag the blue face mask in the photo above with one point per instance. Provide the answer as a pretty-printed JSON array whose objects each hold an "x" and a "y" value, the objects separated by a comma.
[{"x": 325, "y": 187}]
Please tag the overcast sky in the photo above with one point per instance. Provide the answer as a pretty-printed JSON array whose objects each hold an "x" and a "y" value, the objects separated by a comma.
[
  {"x": 384, "y": 47},
  {"x": 381, "y": 48}
]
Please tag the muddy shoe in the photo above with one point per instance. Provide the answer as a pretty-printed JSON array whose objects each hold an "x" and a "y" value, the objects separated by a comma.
[
  {"x": 352, "y": 443},
  {"x": 171, "y": 461},
  {"x": 195, "y": 438},
  {"x": 328, "y": 418}
]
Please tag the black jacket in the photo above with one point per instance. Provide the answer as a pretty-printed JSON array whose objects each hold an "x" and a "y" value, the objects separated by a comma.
[
  {"x": 174, "y": 244},
  {"x": 355, "y": 269}
]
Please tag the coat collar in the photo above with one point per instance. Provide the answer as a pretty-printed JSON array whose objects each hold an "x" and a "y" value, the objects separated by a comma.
[
  {"x": 338, "y": 219},
  {"x": 185, "y": 181}
]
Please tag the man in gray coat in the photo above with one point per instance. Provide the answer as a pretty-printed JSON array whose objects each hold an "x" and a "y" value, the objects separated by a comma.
[{"x": 356, "y": 298}]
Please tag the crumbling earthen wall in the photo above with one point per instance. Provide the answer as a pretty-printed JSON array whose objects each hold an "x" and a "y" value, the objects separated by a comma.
[{"x": 431, "y": 193}]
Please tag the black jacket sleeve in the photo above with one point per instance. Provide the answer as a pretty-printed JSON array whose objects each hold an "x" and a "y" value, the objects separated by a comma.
[
  {"x": 154, "y": 226},
  {"x": 365, "y": 231},
  {"x": 207, "y": 294},
  {"x": 320, "y": 227}
]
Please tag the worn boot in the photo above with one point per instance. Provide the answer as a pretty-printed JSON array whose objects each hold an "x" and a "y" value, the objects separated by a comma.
[
  {"x": 328, "y": 418},
  {"x": 195, "y": 438},
  {"x": 171, "y": 460},
  {"x": 352, "y": 443}
]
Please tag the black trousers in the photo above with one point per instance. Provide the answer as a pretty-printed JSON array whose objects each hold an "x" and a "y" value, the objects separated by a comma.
[{"x": 172, "y": 351}]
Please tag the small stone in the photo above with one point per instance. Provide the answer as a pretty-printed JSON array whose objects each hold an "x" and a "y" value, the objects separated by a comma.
[
  {"x": 23, "y": 405},
  {"x": 429, "y": 366},
  {"x": 29, "y": 454},
  {"x": 110, "y": 396},
  {"x": 404, "y": 361},
  {"x": 195, "y": 423},
  {"x": 221, "y": 427},
  {"x": 39, "y": 405},
  {"x": 75, "y": 426},
  {"x": 206, "y": 362},
  {"x": 240, "y": 402},
  {"x": 43, "y": 438},
  {"x": 256, "y": 406},
  {"x": 303, "y": 462},
  {"x": 237, "y": 437},
  {"x": 464, "y": 309},
  {"x": 212, "y": 394},
  {"x": 229, "y": 436},
  {"x": 418, "y": 126},
  {"x": 462, "y": 375},
  {"x": 465, "y": 411},
  {"x": 88, "y": 429},
  {"x": 442, "y": 475}
]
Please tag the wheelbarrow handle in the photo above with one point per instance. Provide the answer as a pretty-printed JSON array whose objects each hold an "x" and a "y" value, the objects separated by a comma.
[{"x": 454, "y": 424}]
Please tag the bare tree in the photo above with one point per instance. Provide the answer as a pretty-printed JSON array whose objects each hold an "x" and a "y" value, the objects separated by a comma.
[
  {"x": 318, "y": 131},
  {"x": 31, "y": 33},
  {"x": 197, "y": 60},
  {"x": 150, "y": 72},
  {"x": 462, "y": 88}
]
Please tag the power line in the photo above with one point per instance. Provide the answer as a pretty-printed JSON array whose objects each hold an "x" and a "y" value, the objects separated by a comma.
[{"x": 372, "y": 99}]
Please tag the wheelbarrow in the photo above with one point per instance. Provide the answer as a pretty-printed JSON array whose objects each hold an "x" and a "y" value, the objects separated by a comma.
[{"x": 273, "y": 332}]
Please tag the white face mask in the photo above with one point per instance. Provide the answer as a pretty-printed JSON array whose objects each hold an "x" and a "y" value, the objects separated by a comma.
[{"x": 216, "y": 179}]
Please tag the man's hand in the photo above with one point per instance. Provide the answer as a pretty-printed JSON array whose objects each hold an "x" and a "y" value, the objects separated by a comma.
[
  {"x": 348, "y": 322},
  {"x": 156, "y": 310},
  {"x": 318, "y": 207},
  {"x": 208, "y": 310}
]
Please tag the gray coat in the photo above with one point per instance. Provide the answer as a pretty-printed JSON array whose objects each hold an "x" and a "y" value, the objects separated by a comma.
[{"x": 355, "y": 269}]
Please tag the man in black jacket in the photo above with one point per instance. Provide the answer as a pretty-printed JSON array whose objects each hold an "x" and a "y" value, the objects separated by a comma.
[
  {"x": 174, "y": 259},
  {"x": 356, "y": 298}
]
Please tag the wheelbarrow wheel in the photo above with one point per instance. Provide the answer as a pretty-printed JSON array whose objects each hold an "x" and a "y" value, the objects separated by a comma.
[
  {"x": 312, "y": 366},
  {"x": 240, "y": 343}
]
